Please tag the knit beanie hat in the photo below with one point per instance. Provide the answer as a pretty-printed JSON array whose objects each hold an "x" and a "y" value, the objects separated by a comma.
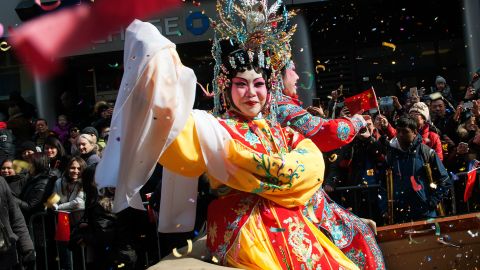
[
  {"x": 440, "y": 79},
  {"x": 90, "y": 130},
  {"x": 28, "y": 145},
  {"x": 422, "y": 109}
]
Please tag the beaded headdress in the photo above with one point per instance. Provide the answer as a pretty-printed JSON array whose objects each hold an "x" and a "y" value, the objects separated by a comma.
[{"x": 262, "y": 36}]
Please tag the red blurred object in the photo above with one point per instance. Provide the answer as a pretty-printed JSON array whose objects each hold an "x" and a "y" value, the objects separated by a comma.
[
  {"x": 415, "y": 185},
  {"x": 63, "y": 227},
  {"x": 48, "y": 7},
  {"x": 40, "y": 42},
  {"x": 364, "y": 101},
  {"x": 471, "y": 177},
  {"x": 150, "y": 212}
]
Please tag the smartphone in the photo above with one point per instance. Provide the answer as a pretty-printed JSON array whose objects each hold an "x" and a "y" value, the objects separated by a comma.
[
  {"x": 316, "y": 102},
  {"x": 467, "y": 105}
]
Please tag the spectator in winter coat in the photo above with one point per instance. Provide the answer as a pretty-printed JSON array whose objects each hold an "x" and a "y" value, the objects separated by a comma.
[
  {"x": 55, "y": 152},
  {"x": 69, "y": 187},
  {"x": 16, "y": 229},
  {"x": 19, "y": 125},
  {"x": 71, "y": 143},
  {"x": 62, "y": 128},
  {"x": 14, "y": 180},
  {"x": 414, "y": 196},
  {"x": 419, "y": 112},
  {"x": 444, "y": 89},
  {"x": 38, "y": 188},
  {"x": 442, "y": 118},
  {"x": 6, "y": 142},
  {"x": 41, "y": 132},
  {"x": 87, "y": 145}
]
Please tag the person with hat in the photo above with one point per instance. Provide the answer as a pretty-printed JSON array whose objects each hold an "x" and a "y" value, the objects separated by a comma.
[
  {"x": 419, "y": 111},
  {"x": 92, "y": 131},
  {"x": 443, "y": 88},
  {"x": 264, "y": 176}
]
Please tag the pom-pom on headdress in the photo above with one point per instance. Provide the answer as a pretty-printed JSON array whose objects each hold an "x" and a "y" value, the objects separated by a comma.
[{"x": 263, "y": 38}]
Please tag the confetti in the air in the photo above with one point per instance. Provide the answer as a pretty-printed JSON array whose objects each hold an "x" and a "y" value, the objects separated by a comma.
[{"x": 390, "y": 45}]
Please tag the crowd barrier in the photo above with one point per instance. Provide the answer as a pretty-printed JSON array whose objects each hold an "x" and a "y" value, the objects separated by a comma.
[
  {"x": 42, "y": 227},
  {"x": 340, "y": 191}
]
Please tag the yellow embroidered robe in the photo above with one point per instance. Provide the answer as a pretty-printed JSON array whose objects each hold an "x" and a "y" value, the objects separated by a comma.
[{"x": 258, "y": 223}]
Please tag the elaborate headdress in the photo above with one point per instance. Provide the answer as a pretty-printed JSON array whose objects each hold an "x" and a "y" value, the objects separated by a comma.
[{"x": 260, "y": 36}]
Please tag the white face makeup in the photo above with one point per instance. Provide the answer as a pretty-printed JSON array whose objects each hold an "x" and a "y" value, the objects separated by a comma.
[
  {"x": 290, "y": 80},
  {"x": 249, "y": 93}
]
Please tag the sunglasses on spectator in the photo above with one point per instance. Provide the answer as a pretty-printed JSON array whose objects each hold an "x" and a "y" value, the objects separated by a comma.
[{"x": 74, "y": 130}]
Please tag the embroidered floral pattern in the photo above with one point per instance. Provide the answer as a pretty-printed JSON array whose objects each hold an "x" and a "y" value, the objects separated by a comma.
[
  {"x": 273, "y": 172},
  {"x": 343, "y": 130},
  {"x": 344, "y": 226},
  {"x": 302, "y": 246},
  {"x": 212, "y": 232},
  {"x": 292, "y": 114},
  {"x": 356, "y": 256},
  {"x": 252, "y": 139},
  {"x": 371, "y": 242},
  {"x": 232, "y": 227}
]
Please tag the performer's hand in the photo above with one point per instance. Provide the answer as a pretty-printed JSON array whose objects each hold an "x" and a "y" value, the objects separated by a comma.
[
  {"x": 372, "y": 224},
  {"x": 328, "y": 188},
  {"x": 316, "y": 111}
]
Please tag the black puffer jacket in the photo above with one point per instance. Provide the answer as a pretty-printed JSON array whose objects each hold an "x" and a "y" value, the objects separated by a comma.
[
  {"x": 12, "y": 218},
  {"x": 16, "y": 183},
  {"x": 35, "y": 192}
]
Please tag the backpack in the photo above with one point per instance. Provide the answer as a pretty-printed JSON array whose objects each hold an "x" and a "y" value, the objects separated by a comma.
[{"x": 426, "y": 154}]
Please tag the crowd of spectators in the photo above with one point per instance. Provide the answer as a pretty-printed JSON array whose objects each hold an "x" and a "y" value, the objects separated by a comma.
[
  {"x": 427, "y": 140},
  {"x": 43, "y": 166}
]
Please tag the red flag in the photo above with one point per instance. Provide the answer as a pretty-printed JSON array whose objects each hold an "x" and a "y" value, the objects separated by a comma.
[
  {"x": 63, "y": 226},
  {"x": 40, "y": 42},
  {"x": 471, "y": 177},
  {"x": 364, "y": 101}
]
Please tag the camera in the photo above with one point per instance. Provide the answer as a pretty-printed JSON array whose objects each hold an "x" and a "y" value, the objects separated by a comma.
[{"x": 467, "y": 105}]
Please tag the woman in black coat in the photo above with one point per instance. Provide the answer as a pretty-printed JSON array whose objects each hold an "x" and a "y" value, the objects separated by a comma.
[
  {"x": 56, "y": 154},
  {"x": 14, "y": 180},
  {"x": 11, "y": 219},
  {"x": 38, "y": 187}
]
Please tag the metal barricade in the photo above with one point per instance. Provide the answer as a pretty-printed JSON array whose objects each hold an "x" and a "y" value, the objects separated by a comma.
[
  {"x": 37, "y": 227},
  {"x": 34, "y": 236},
  {"x": 75, "y": 217},
  {"x": 355, "y": 190}
]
